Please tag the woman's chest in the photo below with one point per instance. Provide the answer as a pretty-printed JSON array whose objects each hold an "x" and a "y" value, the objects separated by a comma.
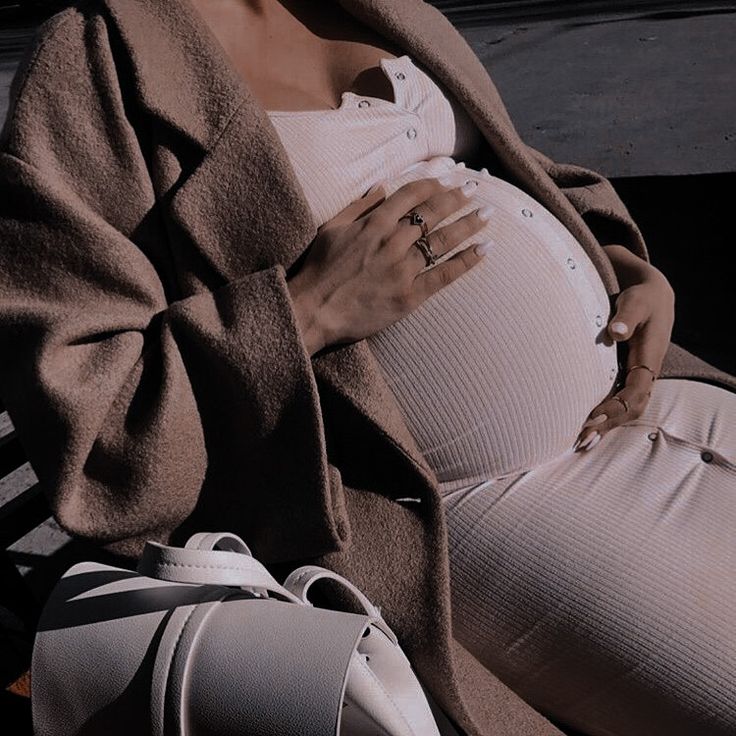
[{"x": 303, "y": 57}]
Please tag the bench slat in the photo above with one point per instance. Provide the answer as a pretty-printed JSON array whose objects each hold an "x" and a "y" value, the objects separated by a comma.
[{"x": 7, "y": 430}]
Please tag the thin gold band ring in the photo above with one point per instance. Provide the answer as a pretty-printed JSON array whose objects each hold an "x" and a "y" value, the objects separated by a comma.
[{"x": 645, "y": 367}]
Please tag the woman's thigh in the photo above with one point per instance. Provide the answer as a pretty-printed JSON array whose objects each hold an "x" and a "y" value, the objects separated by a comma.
[{"x": 602, "y": 585}]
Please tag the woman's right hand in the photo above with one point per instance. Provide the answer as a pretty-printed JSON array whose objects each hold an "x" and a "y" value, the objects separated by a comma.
[{"x": 362, "y": 270}]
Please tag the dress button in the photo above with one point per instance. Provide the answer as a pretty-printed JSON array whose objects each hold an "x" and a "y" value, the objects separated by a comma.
[
  {"x": 364, "y": 103},
  {"x": 613, "y": 372},
  {"x": 400, "y": 75},
  {"x": 527, "y": 213},
  {"x": 571, "y": 263},
  {"x": 598, "y": 320},
  {"x": 652, "y": 436},
  {"x": 411, "y": 133},
  {"x": 706, "y": 457}
]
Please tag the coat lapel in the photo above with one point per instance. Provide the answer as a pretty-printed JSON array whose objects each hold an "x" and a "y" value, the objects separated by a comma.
[{"x": 243, "y": 207}]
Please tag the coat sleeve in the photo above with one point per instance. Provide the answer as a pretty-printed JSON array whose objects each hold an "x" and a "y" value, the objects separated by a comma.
[
  {"x": 594, "y": 197},
  {"x": 136, "y": 411}
]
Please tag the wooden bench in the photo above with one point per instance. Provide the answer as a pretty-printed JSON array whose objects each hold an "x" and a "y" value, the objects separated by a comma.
[{"x": 23, "y": 507}]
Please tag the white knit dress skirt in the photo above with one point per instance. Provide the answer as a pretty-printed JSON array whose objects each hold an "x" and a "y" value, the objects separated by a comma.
[{"x": 599, "y": 585}]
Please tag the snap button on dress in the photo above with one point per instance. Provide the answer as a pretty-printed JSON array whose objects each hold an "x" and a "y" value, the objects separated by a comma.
[
  {"x": 598, "y": 320},
  {"x": 652, "y": 436},
  {"x": 400, "y": 75},
  {"x": 706, "y": 457},
  {"x": 571, "y": 262},
  {"x": 364, "y": 103},
  {"x": 411, "y": 133},
  {"x": 527, "y": 213}
]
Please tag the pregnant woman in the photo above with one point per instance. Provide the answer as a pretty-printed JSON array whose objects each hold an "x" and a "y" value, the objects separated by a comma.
[{"x": 181, "y": 351}]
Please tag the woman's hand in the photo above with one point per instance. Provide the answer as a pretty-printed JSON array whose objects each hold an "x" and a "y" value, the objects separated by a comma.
[
  {"x": 645, "y": 315},
  {"x": 362, "y": 271}
]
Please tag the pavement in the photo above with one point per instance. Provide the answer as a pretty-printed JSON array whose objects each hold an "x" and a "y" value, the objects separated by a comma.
[{"x": 634, "y": 94}]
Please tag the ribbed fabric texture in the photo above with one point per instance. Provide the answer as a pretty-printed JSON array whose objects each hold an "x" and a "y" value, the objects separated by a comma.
[
  {"x": 601, "y": 585},
  {"x": 496, "y": 372}
]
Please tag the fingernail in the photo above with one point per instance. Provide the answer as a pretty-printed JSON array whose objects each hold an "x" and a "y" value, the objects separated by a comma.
[
  {"x": 596, "y": 420},
  {"x": 374, "y": 189},
  {"x": 595, "y": 441},
  {"x": 587, "y": 439},
  {"x": 469, "y": 187},
  {"x": 484, "y": 213},
  {"x": 619, "y": 328},
  {"x": 483, "y": 248}
]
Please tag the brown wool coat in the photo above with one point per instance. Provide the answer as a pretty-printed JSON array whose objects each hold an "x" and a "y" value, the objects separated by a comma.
[{"x": 150, "y": 355}]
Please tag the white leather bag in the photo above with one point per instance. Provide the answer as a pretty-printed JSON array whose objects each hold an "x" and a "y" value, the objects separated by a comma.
[{"x": 202, "y": 640}]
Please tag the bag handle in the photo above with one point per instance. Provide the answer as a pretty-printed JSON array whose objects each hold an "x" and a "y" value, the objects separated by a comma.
[
  {"x": 200, "y": 562},
  {"x": 299, "y": 581},
  {"x": 223, "y": 558}
]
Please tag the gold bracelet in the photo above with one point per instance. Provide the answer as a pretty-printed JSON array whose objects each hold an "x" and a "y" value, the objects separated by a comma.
[{"x": 645, "y": 367}]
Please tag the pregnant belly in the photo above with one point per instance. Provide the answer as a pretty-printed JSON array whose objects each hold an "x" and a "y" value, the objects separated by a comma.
[{"x": 496, "y": 372}]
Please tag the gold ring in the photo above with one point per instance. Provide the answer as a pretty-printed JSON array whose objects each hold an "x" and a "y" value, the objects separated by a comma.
[
  {"x": 623, "y": 401},
  {"x": 423, "y": 244},
  {"x": 645, "y": 367},
  {"x": 416, "y": 219}
]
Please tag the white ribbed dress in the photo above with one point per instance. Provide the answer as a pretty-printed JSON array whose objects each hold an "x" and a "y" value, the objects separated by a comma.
[
  {"x": 511, "y": 357},
  {"x": 600, "y": 585}
]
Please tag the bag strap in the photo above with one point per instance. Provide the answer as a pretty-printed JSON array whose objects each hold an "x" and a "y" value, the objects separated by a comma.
[
  {"x": 299, "y": 581},
  {"x": 225, "y": 559},
  {"x": 198, "y": 563}
]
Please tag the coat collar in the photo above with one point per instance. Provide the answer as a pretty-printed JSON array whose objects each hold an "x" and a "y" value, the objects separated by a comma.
[{"x": 183, "y": 77}]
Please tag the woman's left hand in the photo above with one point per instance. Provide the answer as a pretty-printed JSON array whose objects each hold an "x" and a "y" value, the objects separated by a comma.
[{"x": 645, "y": 315}]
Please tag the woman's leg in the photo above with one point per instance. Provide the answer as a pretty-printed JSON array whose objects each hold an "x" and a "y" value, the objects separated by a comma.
[{"x": 601, "y": 586}]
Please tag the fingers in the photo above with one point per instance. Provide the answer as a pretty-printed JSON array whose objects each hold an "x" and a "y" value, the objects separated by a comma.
[
  {"x": 443, "y": 274},
  {"x": 447, "y": 238},
  {"x": 632, "y": 309},
  {"x": 430, "y": 198},
  {"x": 361, "y": 207},
  {"x": 624, "y": 406}
]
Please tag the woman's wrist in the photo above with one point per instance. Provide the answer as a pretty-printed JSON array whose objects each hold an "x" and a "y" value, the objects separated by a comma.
[
  {"x": 630, "y": 268},
  {"x": 307, "y": 313}
]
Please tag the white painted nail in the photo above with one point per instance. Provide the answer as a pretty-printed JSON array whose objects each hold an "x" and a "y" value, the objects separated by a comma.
[
  {"x": 469, "y": 187},
  {"x": 484, "y": 213},
  {"x": 483, "y": 248},
  {"x": 596, "y": 420},
  {"x": 588, "y": 438},
  {"x": 595, "y": 441},
  {"x": 619, "y": 328}
]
